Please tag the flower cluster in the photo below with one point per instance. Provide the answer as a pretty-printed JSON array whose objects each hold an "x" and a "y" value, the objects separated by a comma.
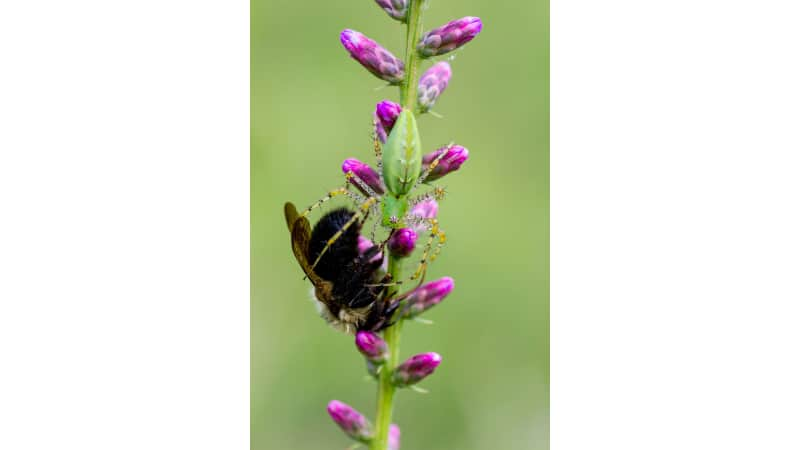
[{"x": 402, "y": 167}]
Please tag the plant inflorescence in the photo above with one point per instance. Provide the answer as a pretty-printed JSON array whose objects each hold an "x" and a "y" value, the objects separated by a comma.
[{"x": 356, "y": 277}]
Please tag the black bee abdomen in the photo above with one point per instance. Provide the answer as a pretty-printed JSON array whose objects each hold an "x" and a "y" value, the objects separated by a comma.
[{"x": 343, "y": 252}]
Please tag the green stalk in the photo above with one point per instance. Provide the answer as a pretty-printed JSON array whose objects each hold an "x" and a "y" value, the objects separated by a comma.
[
  {"x": 408, "y": 98},
  {"x": 408, "y": 89}
]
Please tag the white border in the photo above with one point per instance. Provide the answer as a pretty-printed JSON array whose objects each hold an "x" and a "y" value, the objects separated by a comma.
[
  {"x": 675, "y": 225},
  {"x": 124, "y": 225}
]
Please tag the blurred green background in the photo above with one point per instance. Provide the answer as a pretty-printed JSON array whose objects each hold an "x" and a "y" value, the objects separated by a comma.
[{"x": 311, "y": 108}]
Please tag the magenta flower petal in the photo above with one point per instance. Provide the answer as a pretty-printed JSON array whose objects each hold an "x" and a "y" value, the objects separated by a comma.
[
  {"x": 365, "y": 173},
  {"x": 415, "y": 369},
  {"x": 402, "y": 242},
  {"x": 426, "y": 297},
  {"x": 376, "y": 59},
  {"x": 386, "y": 113},
  {"x": 394, "y": 437},
  {"x": 353, "y": 423},
  {"x": 450, "y": 162},
  {"x": 372, "y": 346},
  {"x": 432, "y": 84},
  {"x": 449, "y": 37},
  {"x": 396, "y": 9}
]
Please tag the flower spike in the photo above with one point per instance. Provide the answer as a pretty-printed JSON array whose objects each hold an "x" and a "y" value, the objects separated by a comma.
[
  {"x": 449, "y": 37},
  {"x": 432, "y": 85},
  {"x": 379, "y": 61}
]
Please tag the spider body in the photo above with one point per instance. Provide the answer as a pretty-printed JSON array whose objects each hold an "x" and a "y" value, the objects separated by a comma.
[{"x": 349, "y": 286}]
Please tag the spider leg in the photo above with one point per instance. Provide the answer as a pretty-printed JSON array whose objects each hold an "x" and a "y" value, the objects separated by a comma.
[
  {"x": 376, "y": 143},
  {"x": 428, "y": 256},
  {"x": 432, "y": 165},
  {"x": 437, "y": 194},
  {"x": 359, "y": 214},
  {"x": 331, "y": 194}
]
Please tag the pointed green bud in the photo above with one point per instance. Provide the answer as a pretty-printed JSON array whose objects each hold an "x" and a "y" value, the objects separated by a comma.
[{"x": 402, "y": 155}]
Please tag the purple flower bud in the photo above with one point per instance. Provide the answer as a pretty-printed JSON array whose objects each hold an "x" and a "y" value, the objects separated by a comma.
[
  {"x": 450, "y": 162},
  {"x": 365, "y": 173},
  {"x": 427, "y": 209},
  {"x": 415, "y": 369},
  {"x": 397, "y": 9},
  {"x": 365, "y": 244},
  {"x": 394, "y": 437},
  {"x": 351, "y": 421},
  {"x": 379, "y": 61},
  {"x": 402, "y": 242},
  {"x": 432, "y": 84},
  {"x": 386, "y": 113},
  {"x": 449, "y": 36},
  {"x": 372, "y": 346},
  {"x": 426, "y": 297}
]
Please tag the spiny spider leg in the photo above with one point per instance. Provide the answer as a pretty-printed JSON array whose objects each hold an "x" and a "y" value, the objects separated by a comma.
[
  {"x": 423, "y": 264},
  {"x": 331, "y": 194},
  {"x": 378, "y": 153},
  {"x": 432, "y": 165},
  {"x": 359, "y": 214},
  {"x": 437, "y": 194},
  {"x": 356, "y": 197},
  {"x": 318, "y": 203},
  {"x": 351, "y": 176},
  {"x": 427, "y": 256},
  {"x": 374, "y": 230}
]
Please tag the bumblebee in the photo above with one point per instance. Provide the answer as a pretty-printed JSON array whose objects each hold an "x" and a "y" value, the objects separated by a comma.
[{"x": 349, "y": 286}]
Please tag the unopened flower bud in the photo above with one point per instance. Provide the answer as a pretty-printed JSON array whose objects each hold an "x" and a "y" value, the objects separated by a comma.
[
  {"x": 454, "y": 157},
  {"x": 386, "y": 113},
  {"x": 365, "y": 173},
  {"x": 365, "y": 244},
  {"x": 397, "y": 9},
  {"x": 402, "y": 242},
  {"x": 353, "y": 423},
  {"x": 394, "y": 437},
  {"x": 427, "y": 209},
  {"x": 449, "y": 36},
  {"x": 432, "y": 83},
  {"x": 379, "y": 61},
  {"x": 414, "y": 369},
  {"x": 426, "y": 297},
  {"x": 372, "y": 346}
]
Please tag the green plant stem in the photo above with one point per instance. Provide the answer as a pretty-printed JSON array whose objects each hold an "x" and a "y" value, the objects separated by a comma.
[
  {"x": 408, "y": 98},
  {"x": 408, "y": 88}
]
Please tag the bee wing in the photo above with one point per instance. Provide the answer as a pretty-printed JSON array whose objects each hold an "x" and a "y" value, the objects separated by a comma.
[
  {"x": 290, "y": 212},
  {"x": 301, "y": 236}
]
